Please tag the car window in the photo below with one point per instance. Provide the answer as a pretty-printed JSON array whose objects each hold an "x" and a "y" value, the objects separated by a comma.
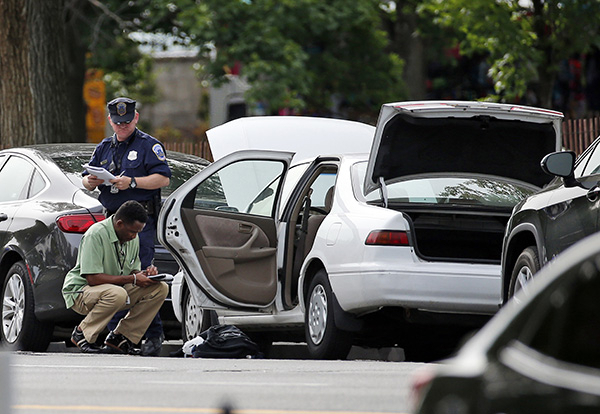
[
  {"x": 320, "y": 186},
  {"x": 565, "y": 325},
  {"x": 261, "y": 205},
  {"x": 14, "y": 179},
  {"x": 589, "y": 164},
  {"x": 71, "y": 165},
  {"x": 37, "y": 184},
  {"x": 244, "y": 186},
  {"x": 181, "y": 170},
  {"x": 437, "y": 189}
]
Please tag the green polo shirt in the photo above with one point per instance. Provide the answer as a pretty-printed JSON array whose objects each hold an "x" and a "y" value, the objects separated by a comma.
[{"x": 100, "y": 252}]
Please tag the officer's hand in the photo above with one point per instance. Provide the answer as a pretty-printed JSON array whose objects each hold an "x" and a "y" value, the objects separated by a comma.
[
  {"x": 94, "y": 181},
  {"x": 121, "y": 182},
  {"x": 151, "y": 270}
]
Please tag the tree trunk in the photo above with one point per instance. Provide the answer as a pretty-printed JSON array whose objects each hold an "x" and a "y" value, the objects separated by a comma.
[
  {"x": 48, "y": 71},
  {"x": 16, "y": 99},
  {"x": 77, "y": 67},
  {"x": 409, "y": 46}
]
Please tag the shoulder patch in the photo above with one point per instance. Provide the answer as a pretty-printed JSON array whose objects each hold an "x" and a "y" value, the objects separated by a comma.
[{"x": 158, "y": 150}]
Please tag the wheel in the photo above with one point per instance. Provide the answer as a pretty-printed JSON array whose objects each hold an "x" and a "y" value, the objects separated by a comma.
[
  {"x": 21, "y": 330},
  {"x": 526, "y": 266},
  {"x": 324, "y": 339},
  {"x": 195, "y": 319}
]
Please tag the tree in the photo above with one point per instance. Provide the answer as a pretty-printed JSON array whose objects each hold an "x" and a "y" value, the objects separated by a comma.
[
  {"x": 402, "y": 23},
  {"x": 525, "y": 41},
  {"x": 304, "y": 55},
  {"x": 45, "y": 49},
  {"x": 33, "y": 105}
]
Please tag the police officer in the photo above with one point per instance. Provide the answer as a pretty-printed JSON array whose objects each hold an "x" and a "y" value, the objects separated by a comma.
[{"x": 139, "y": 164}]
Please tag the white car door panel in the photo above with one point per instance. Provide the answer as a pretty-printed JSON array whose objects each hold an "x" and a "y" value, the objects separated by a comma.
[{"x": 229, "y": 254}]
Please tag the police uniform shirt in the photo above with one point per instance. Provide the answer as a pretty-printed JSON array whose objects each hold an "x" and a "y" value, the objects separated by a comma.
[{"x": 139, "y": 155}]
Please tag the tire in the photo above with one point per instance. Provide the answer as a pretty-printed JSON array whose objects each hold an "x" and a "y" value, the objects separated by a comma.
[
  {"x": 323, "y": 338},
  {"x": 527, "y": 265},
  {"x": 195, "y": 320},
  {"x": 21, "y": 330}
]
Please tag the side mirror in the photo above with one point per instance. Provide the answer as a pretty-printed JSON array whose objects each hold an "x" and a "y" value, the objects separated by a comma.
[{"x": 559, "y": 163}]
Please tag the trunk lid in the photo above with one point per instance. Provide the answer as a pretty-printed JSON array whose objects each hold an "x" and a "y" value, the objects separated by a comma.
[{"x": 462, "y": 137}]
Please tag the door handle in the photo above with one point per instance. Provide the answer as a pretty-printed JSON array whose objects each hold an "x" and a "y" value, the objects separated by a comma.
[
  {"x": 245, "y": 228},
  {"x": 593, "y": 194}
]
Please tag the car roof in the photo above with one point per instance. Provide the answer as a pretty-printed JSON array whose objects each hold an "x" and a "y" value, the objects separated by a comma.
[{"x": 307, "y": 137}]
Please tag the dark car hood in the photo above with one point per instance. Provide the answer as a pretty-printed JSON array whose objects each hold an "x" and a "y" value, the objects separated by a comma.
[{"x": 462, "y": 137}]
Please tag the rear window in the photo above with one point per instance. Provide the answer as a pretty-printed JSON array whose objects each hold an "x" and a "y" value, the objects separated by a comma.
[
  {"x": 475, "y": 190},
  {"x": 181, "y": 170}
]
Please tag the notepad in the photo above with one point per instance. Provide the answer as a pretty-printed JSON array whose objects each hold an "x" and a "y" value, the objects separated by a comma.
[{"x": 99, "y": 172}]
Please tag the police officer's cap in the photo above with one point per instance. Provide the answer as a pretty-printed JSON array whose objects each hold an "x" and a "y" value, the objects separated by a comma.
[{"x": 121, "y": 110}]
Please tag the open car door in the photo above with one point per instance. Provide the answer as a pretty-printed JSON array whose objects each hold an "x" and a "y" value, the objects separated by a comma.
[{"x": 221, "y": 228}]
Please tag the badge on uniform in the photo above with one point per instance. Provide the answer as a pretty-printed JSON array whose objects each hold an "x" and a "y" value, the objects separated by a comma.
[
  {"x": 132, "y": 156},
  {"x": 158, "y": 150}
]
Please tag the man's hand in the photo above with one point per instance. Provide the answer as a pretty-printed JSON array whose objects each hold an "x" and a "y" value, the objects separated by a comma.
[
  {"x": 121, "y": 182},
  {"x": 142, "y": 277},
  {"x": 142, "y": 280},
  {"x": 91, "y": 182}
]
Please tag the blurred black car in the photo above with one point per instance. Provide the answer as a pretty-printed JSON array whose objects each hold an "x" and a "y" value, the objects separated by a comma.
[
  {"x": 44, "y": 210},
  {"x": 546, "y": 223},
  {"x": 539, "y": 354}
]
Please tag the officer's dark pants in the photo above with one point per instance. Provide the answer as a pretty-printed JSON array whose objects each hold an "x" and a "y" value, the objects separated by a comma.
[{"x": 146, "y": 257}]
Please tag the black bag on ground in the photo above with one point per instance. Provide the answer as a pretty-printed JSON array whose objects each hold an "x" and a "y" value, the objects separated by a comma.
[{"x": 225, "y": 341}]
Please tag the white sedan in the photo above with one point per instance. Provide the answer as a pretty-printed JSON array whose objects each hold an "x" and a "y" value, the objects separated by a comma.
[{"x": 398, "y": 245}]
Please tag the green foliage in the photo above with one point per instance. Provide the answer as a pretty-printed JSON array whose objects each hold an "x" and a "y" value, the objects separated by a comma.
[
  {"x": 102, "y": 29},
  {"x": 298, "y": 54},
  {"x": 525, "y": 43}
]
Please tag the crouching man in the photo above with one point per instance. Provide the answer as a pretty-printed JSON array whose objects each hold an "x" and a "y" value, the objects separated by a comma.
[{"x": 107, "y": 278}]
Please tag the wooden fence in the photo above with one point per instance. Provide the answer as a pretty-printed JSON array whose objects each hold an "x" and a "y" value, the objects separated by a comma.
[
  {"x": 200, "y": 149},
  {"x": 579, "y": 133}
]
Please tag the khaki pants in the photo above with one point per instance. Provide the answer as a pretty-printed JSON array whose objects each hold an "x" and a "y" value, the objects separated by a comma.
[{"x": 99, "y": 303}]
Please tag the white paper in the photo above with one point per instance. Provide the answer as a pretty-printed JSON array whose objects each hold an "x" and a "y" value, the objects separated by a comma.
[
  {"x": 163, "y": 277},
  {"x": 100, "y": 173}
]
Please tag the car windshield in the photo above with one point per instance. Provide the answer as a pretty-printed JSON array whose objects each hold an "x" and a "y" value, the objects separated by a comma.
[{"x": 450, "y": 189}]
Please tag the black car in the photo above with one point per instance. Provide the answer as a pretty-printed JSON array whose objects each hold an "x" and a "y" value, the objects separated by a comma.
[
  {"x": 539, "y": 354},
  {"x": 546, "y": 223},
  {"x": 44, "y": 210}
]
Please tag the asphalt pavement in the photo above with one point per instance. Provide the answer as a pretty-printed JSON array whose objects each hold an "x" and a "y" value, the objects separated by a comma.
[{"x": 280, "y": 350}]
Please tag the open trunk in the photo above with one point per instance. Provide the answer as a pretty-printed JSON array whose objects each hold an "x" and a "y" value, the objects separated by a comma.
[{"x": 457, "y": 236}]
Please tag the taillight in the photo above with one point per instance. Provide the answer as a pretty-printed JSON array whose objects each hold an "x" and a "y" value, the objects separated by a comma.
[
  {"x": 421, "y": 381},
  {"x": 78, "y": 223},
  {"x": 387, "y": 238}
]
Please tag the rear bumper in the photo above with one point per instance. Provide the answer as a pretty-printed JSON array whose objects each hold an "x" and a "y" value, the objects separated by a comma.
[{"x": 436, "y": 287}]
